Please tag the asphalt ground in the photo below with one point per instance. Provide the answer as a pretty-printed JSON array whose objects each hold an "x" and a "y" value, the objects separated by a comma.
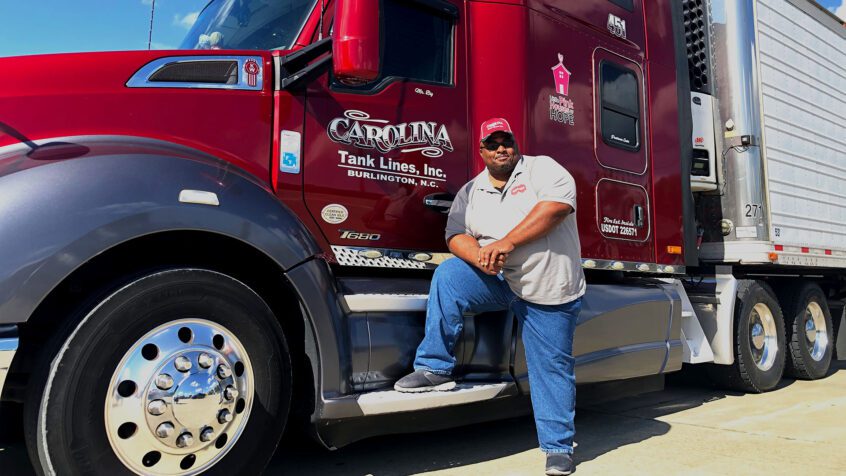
[{"x": 685, "y": 429}]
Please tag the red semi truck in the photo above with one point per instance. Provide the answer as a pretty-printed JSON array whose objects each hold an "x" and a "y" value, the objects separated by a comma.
[{"x": 199, "y": 247}]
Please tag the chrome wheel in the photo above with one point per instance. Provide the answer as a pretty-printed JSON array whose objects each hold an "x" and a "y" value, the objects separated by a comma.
[
  {"x": 816, "y": 333},
  {"x": 179, "y": 399},
  {"x": 763, "y": 336}
]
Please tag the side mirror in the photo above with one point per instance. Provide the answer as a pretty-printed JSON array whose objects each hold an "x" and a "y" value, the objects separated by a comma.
[{"x": 355, "y": 41}]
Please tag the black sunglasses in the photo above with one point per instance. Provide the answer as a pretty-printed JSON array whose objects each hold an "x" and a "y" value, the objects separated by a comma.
[{"x": 493, "y": 145}]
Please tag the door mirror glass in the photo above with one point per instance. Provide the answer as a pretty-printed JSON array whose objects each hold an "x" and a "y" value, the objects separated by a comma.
[{"x": 355, "y": 41}]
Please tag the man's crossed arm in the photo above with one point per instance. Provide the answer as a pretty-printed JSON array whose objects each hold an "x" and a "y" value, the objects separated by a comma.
[{"x": 542, "y": 219}]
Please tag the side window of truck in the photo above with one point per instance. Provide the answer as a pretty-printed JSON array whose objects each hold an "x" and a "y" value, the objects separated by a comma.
[
  {"x": 620, "y": 102},
  {"x": 417, "y": 44},
  {"x": 627, "y": 4}
]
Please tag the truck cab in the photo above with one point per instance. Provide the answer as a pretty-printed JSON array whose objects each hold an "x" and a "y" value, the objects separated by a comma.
[{"x": 293, "y": 165}]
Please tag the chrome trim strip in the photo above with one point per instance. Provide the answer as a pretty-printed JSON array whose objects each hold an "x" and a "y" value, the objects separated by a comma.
[
  {"x": 402, "y": 259},
  {"x": 8, "y": 348},
  {"x": 141, "y": 78},
  {"x": 391, "y": 401},
  {"x": 387, "y": 258},
  {"x": 386, "y": 302},
  {"x": 631, "y": 266},
  {"x": 590, "y": 358}
]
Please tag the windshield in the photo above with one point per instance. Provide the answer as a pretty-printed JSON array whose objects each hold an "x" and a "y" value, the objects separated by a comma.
[{"x": 248, "y": 25}]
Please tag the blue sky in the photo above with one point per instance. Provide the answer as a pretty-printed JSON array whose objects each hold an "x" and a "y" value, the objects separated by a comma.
[{"x": 55, "y": 26}]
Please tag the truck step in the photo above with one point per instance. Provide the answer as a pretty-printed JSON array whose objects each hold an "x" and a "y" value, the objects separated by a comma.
[{"x": 390, "y": 401}]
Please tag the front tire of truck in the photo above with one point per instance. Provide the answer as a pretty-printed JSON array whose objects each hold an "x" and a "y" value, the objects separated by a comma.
[
  {"x": 183, "y": 371},
  {"x": 810, "y": 333},
  {"x": 759, "y": 355}
]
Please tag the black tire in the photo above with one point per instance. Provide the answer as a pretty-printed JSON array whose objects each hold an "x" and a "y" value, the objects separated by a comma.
[
  {"x": 72, "y": 381},
  {"x": 801, "y": 363},
  {"x": 745, "y": 375}
]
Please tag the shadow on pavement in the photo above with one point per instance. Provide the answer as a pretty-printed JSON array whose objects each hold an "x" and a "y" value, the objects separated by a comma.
[{"x": 602, "y": 427}]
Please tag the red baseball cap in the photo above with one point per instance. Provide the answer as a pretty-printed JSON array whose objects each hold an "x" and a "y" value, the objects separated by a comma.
[{"x": 492, "y": 125}]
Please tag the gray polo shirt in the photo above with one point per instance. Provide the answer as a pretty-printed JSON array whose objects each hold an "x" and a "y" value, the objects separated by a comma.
[{"x": 545, "y": 271}]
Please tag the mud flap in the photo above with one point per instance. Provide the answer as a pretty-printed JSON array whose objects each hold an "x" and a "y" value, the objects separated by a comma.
[{"x": 840, "y": 338}]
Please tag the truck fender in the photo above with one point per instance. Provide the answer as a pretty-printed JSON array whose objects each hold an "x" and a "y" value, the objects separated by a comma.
[{"x": 58, "y": 211}]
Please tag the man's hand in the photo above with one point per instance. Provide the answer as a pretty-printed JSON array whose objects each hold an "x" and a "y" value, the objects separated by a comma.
[{"x": 493, "y": 256}]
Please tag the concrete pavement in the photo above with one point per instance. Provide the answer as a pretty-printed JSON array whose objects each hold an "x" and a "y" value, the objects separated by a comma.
[
  {"x": 799, "y": 429},
  {"x": 685, "y": 429}
]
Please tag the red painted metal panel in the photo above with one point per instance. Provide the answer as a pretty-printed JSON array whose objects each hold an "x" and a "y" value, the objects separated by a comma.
[
  {"x": 664, "y": 130},
  {"x": 382, "y": 186},
  {"x": 497, "y": 62},
  {"x": 593, "y": 15},
  {"x": 562, "y": 126},
  {"x": 616, "y": 217},
  {"x": 85, "y": 94}
]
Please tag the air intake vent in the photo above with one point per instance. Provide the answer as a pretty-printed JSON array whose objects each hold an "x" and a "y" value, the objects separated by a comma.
[
  {"x": 698, "y": 38},
  {"x": 215, "y": 72}
]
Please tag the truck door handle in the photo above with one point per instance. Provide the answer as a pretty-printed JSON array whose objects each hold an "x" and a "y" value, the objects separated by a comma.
[
  {"x": 638, "y": 216},
  {"x": 440, "y": 202}
]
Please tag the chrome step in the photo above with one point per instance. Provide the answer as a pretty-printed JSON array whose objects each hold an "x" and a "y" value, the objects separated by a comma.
[{"x": 391, "y": 401}]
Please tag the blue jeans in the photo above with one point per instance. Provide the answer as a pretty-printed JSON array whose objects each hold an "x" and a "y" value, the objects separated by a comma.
[{"x": 459, "y": 288}]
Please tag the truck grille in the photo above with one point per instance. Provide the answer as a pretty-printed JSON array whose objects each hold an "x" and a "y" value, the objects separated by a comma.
[{"x": 698, "y": 41}]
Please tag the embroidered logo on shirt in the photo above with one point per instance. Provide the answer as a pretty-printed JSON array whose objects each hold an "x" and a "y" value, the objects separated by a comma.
[{"x": 518, "y": 189}]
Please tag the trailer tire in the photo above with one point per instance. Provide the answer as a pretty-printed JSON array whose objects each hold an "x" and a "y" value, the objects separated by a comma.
[
  {"x": 180, "y": 372},
  {"x": 810, "y": 333},
  {"x": 758, "y": 341}
]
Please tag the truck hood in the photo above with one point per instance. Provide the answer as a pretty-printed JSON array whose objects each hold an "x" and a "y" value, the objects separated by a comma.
[{"x": 45, "y": 98}]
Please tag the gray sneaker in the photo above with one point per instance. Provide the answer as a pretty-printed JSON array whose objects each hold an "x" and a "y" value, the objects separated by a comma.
[
  {"x": 424, "y": 381},
  {"x": 559, "y": 464}
]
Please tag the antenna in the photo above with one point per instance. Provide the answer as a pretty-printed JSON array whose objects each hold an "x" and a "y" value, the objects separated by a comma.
[{"x": 152, "y": 13}]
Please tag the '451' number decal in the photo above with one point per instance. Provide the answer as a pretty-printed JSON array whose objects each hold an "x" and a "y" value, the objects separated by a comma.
[{"x": 617, "y": 26}]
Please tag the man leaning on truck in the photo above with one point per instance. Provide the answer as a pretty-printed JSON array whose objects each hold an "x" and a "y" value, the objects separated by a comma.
[{"x": 519, "y": 250}]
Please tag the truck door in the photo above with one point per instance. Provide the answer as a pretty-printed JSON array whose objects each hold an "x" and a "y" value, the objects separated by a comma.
[
  {"x": 620, "y": 144},
  {"x": 381, "y": 162},
  {"x": 589, "y": 112}
]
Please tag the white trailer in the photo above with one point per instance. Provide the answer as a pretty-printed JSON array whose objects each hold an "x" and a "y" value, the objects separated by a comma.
[{"x": 769, "y": 186}]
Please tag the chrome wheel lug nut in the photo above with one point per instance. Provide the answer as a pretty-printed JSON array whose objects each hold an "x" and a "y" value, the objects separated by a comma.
[
  {"x": 164, "y": 430},
  {"x": 185, "y": 439},
  {"x": 223, "y": 371},
  {"x": 207, "y": 434},
  {"x": 164, "y": 381},
  {"x": 225, "y": 416},
  {"x": 157, "y": 407},
  {"x": 205, "y": 360},
  {"x": 182, "y": 363},
  {"x": 231, "y": 393}
]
